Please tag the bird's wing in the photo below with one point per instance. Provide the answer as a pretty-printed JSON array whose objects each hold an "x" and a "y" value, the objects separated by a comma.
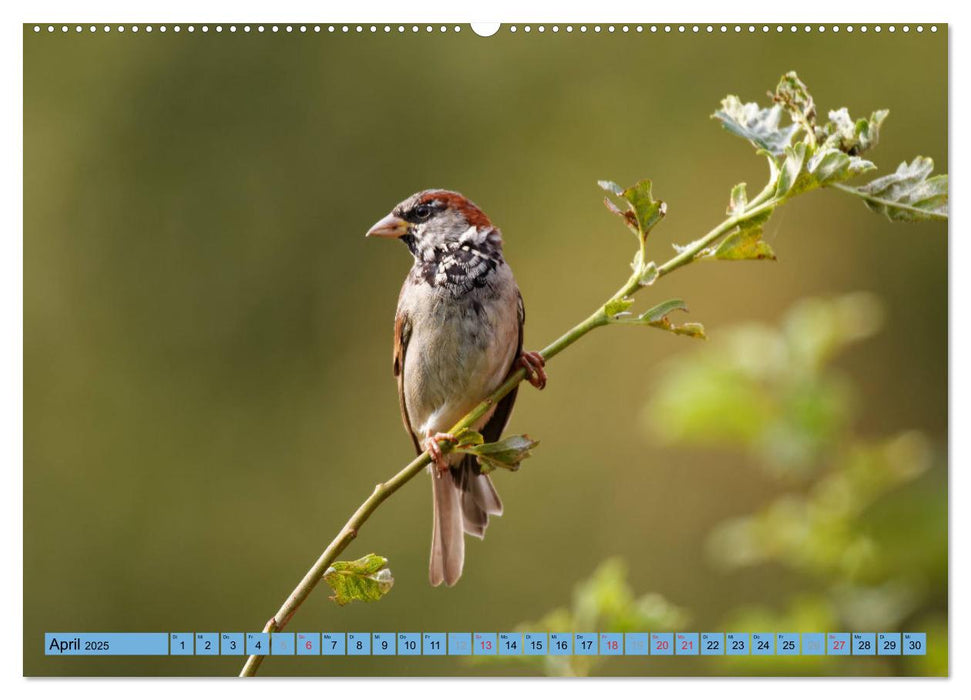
[
  {"x": 479, "y": 497},
  {"x": 492, "y": 430},
  {"x": 402, "y": 334}
]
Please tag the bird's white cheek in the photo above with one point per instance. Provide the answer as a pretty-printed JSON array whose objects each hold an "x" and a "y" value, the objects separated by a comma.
[{"x": 471, "y": 235}]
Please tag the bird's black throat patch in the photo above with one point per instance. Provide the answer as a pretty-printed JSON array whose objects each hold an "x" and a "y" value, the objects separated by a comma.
[{"x": 457, "y": 269}]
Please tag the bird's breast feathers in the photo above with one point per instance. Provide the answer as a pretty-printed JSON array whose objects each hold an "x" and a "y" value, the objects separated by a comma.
[{"x": 460, "y": 348}]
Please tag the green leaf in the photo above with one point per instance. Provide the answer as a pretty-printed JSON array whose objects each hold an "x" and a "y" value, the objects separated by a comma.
[
  {"x": 794, "y": 96},
  {"x": 657, "y": 317},
  {"x": 617, "y": 306},
  {"x": 759, "y": 126},
  {"x": 790, "y": 170},
  {"x": 744, "y": 243},
  {"x": 909, "y": 194},
  {"x": 692, "y": 330},
  {"x": 737, "y": 200},
  {"x": 649, "y": 274},
  {"x": 643, "y": 211},
  {"x": 852, "y": 137},
  {"x": 830, "y": 165},
  {"x": 648, "y": 210},
  {"x": 507, "y": 453},
  {"x": 806, "y": 168},
  {"x": 663, "y": 309},
  {"x": 367, "y": 579},
  {"x": 467, "y": 437}
]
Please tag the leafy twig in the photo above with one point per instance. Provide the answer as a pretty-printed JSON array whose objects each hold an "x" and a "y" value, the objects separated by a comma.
[{"x": 820, "y": 157}]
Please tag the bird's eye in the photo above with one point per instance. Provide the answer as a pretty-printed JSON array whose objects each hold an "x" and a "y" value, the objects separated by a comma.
[{"x": 423, "y": 211}]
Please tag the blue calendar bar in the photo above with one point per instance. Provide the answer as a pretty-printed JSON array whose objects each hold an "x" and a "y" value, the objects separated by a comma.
[{"x": 486, "y": 643}]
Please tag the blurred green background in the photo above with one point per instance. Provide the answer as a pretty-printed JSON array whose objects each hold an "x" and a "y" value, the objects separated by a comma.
[{"x": 208, "y": 390}]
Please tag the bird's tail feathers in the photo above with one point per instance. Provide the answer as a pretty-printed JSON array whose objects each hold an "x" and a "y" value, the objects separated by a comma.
[
  {"x": 448, "y": 543},
  {"x": 462, "y": 503}
]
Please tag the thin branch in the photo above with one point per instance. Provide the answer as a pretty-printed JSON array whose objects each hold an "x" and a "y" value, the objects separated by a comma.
[{"x": 690, "y": 253}]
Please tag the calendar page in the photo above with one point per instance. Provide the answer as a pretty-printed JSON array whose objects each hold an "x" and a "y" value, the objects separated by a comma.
[{"x": 515, "y": 349}]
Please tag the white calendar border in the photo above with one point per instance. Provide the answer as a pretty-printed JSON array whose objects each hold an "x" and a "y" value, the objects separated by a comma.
[{"x": 620, "y": 11}]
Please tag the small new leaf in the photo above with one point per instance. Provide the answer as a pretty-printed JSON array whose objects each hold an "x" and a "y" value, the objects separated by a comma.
[
  {"x": 744, "y": 243},
  {"x": 507, "y": 453},
  {"x": 851, "y": 137},
  {"x": 909, "y": 194},
  {"x": 643, "y": 211},
  {"x": 467, "y": 437},
  {"x": 617, "y": 306},
  {"x": 657, "y": 317},
  {"x": 649, "y": 274},
  {"x": 759, "y": 126},
  {"x": 367, "y": 579},
  {"x": 793, "y": 94},
  {"x": 692, "y": 330},
  {"x": 737, "y": 200},
  {"x": 663, "y": 309},
  {"x": 831, "y": 165},
  {"x": 790, "y": 170}
]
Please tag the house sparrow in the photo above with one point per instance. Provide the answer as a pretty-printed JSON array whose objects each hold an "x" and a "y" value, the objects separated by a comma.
[{"x": 458, "y": 333}]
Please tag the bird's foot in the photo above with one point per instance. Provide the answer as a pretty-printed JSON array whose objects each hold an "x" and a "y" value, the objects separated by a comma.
[
  {"x": 435, "y": 451},
  {"x": 534, "y": 364}
]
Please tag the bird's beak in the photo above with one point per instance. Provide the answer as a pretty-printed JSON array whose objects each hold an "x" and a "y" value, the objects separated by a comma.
[{"x": 390, "y": 226}]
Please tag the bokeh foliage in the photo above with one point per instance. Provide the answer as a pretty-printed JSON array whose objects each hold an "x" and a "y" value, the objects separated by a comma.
[
  {"x": 847, "y": 500},
  {"x": 839, "y": 523},
  {"x": 603, "y": 602}
]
